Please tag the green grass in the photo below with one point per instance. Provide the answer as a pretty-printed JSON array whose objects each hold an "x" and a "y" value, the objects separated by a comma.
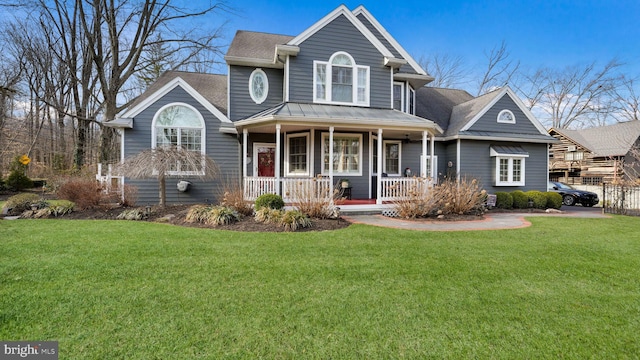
[{"x": 563, "y": 288}]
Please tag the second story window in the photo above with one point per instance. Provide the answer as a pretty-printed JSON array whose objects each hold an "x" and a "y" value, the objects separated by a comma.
[{"x": 340, "y": 80}]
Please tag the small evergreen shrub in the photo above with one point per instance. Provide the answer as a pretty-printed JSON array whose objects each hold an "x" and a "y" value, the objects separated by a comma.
[
  {"x": 538, "y": 197},
  {"x": 132, "y": 214},
  {"x": 222, "y": 215},
  {"x": 504, "y": 200},
  {"x": 554, "y": 200},
  {"x": 520, "y": 199},
  {"x": 18, "y": 204},
  {"x": 18, "y": 181},
  {"x": 271, "y": 201}
]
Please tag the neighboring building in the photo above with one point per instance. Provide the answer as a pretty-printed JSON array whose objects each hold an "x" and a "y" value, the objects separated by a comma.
[
  {"x": 341, "y": 100},
  {"x": 595, "y": 155}
]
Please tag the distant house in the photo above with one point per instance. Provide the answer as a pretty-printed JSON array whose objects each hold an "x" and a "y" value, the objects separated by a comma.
[
  {"x": 595, "y": 155},
  {"x": 340, "y": 100}
]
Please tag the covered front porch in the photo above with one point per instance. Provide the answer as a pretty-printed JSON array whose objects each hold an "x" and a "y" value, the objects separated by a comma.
[{"x": 302, "y": 151}]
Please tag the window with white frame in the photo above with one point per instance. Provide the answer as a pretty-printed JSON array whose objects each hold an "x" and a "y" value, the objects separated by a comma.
[
  {"x": 398, "y": 96},
  {"x": 297, "y": 155},
  {"x": 412, "y": 101},
  {"x": 510, "y": 170},
  {"x": 427, "y": 166},
  {"x": 258, "y": 86},
  {"x": 391, "y": 161},
  {"x": 506, "y": 116},
  {"x": 179, "y": 125},
  {"x": 340, "y": 80},
  {"x": 347, "y": 154}
]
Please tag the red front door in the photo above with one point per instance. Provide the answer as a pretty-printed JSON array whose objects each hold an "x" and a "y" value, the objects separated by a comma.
[{"x": 266, "y": 162}]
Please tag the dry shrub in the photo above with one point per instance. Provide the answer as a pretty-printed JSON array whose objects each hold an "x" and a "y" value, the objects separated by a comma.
[
  {"x": 130, "y": 196},
  {"x": 232, "y": 196},
  {"x": 450, "y": 197},
  {"x": 85, "y": 193},
  {"x": 314, "y": 200}
]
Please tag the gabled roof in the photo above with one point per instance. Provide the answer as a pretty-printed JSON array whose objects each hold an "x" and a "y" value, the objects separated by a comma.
[
  {"x": 437, "y": 103},
  {"x": 611, "y": 140},
  {"x": 255, "y": 48},
  {"x": 210, "y": 90}
]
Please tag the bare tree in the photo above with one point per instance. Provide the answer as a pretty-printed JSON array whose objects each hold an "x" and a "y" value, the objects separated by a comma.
[
  {"x": 627, "y": 100},
  {"x": 160, "y": 162},
  {"x": 448, "y": 71},
  {"x": 499, "y": 69}
]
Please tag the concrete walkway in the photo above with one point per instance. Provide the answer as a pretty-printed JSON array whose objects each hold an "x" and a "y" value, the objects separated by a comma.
[{"x": 493, "y": 221}]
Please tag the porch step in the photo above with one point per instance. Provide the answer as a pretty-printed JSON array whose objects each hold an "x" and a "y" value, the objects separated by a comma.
[{"x": 368, "y": 209}]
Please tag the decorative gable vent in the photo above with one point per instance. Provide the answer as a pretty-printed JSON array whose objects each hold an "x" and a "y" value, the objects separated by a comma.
[{"x": 571, "y": 148}]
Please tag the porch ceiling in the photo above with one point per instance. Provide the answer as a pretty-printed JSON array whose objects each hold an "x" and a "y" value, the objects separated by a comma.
[{"x": 302, "y": 116}]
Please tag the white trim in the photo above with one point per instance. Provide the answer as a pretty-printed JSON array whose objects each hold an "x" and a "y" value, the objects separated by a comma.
[
  {"x": 328, "y": 81},
  {"x": 393, "y": 95},
  {"x": 414, "y": 64},
  {"x": 384, "y": 156},
  {"x": 426, "y": 163},
  {"x": 458, "y": 157},
  {"x": 133, "y": 112},
  {"x": 332, "y": 139},
  {"x": 510, "y": 181},
  {"x": 507, "y": 90},
  {"x": 203, "y": 134},
  {"x": 411, "y": 100},
  {"x": 287, "y": 164},
  {"x": 259, "y": 99},
  {"x": 327, "y": 19},
  {"x": 285, "y": 86},
  {"x": 506, "y": 111}
]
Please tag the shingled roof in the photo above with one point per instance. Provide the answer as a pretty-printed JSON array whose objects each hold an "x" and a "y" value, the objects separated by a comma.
[
  {"x": 436, "y": 104},
  {"x": 255, "y": 45},
  {"x": 610, "y": 140}
]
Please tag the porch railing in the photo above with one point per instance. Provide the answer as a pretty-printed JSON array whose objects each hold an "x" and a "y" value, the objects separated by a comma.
[
  {"x": 399, "y": 188},
  {"x": 292, "y": 189}
]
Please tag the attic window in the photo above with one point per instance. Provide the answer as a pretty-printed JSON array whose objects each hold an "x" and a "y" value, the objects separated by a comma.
[
  {"x": 507, "y": 117},
  {"x": 340, "y": 80}
]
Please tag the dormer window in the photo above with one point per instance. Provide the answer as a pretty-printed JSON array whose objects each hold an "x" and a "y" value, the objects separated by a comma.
[
  {"x": 340, "y": 80},
  {"x": 506, "y": 116}
]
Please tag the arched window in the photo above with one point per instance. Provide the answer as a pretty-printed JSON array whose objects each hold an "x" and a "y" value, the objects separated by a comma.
[
  {"x": 179, "y": 125},
  {"x": 340, "y": 80},
  {"x": 506, "y": 116}
]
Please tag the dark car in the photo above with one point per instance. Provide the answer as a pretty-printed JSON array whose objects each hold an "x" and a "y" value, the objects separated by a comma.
[{"x": 571, "y": 196}]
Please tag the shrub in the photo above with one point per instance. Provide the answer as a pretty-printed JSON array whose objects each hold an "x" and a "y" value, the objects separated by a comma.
[
  {"x": 18, "y": 181},
  {"x": 130, "y": 196},
  {"x": 198, "y": 214},
  {"x": 222, "y": 215},
  {"x": 294, "y": 219},
  {"x": 538, "y": 198},
  {"x": 520, "y": 199},
  {"x": 17, "y": 204},
  {"x": 459, "y": 197},
  {"x": 269, "y": 216},
  {"x": 504, "y": 200},
  {"x": 85, "y": 193},
  {"x": 554, "y": 200},
  {"x": 314, "y": 199},
  {"x": 232, "y": 195},
  {"x": 132, "y": 214},
  {"x": 271, "y": 201}
]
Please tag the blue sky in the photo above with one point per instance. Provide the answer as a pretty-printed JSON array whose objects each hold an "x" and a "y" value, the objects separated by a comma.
[{"x": 537, "y": 33}]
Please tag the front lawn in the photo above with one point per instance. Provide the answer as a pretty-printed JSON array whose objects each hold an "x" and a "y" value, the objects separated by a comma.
[{"x": 563, "y": 288}]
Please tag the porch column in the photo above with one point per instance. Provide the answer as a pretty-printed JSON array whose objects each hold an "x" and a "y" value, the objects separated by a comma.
[
  {"x": 379, "y": 175},
  {"x": 277, "y": 162},
  {"x": 432, "y": 143},
  {"x": 423, "y": 163},
  {"x": 330, "y": 162},
  {"x": 245, "y": 137}
]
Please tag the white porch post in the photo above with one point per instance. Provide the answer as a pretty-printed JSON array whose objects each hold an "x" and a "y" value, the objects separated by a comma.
[
  {"x": 423, "y": 163},
  {"x": 379, "y": 175},
  {"x": 245, "y": 137},
  {"x": 330, "y": 162},
  {"x": 432, "y": 142},
  {"x": 277, "y": 162}
]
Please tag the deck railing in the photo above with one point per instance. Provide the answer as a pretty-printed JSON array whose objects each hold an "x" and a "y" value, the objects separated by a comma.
[{"x": 292, "y": 189}]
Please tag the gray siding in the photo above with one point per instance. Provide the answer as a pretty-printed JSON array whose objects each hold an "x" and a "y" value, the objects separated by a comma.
[
  {"x": 477, "y": 163},
  {"x": 222, "y": 148},
  {"x": 241, "y": 105},
  {"x": 339, "y": 35},
  {"x": 489, "y": 121}
]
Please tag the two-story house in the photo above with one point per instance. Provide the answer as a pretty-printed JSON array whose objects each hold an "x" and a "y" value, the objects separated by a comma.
[{"x": 340, "y": 101}]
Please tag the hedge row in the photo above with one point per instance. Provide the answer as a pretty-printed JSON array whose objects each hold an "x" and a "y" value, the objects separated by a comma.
[{"x": 519, "y": 199}]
